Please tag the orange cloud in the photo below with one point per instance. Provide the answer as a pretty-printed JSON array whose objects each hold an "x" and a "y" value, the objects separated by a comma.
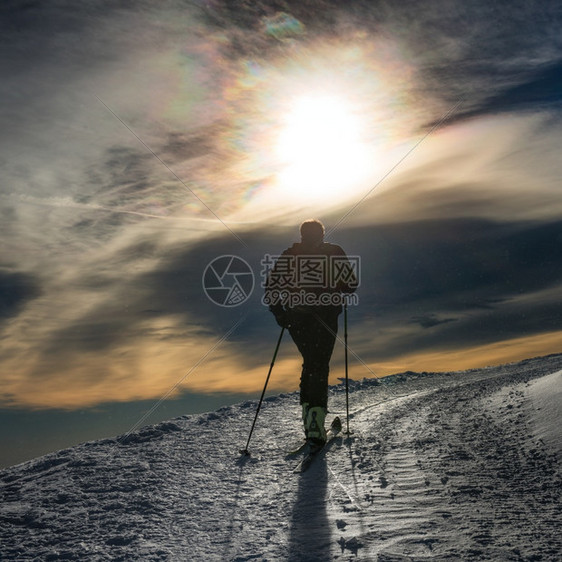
[
  {"x": 155, "y": 370},
  {"x": 507, "y": 351}
]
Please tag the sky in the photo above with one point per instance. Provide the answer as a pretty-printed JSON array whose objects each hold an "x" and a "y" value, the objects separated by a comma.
[{"x": 142, "y": 140}]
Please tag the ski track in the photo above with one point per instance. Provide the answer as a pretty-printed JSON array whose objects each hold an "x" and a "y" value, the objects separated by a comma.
[{"x": 440, "y": 467}]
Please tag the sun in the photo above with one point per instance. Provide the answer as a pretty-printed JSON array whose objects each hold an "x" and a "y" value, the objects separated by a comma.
[{"x": 320, "y": 149}]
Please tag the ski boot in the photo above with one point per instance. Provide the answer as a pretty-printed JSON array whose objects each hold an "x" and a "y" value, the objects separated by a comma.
[{"x": 314, "y": 426}]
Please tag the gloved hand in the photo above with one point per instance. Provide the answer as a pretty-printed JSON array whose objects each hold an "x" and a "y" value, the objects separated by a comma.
[{"x": 283, "y": 319}]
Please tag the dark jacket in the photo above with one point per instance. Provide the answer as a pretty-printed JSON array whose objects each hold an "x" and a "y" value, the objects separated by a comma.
[{"x": 305, "y": 272}]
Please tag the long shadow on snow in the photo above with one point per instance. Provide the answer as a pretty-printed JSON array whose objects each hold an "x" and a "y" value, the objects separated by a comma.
[
  {"x": 234, "y": 520},
  {"x": 310, "y": 537}
]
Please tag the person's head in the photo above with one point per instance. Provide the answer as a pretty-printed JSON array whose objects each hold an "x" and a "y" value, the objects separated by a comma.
[{"x": 312, "y": 232}]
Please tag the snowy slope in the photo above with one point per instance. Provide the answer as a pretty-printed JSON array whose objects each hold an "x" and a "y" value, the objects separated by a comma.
[{"x": 450, "y": 466}]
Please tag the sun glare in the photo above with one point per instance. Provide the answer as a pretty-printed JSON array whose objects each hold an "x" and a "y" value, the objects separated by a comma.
[{"x": 320, "y": 149}]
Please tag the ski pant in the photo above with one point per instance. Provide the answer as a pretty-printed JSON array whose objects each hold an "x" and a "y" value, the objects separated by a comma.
[{"x": 314, "y": 335}]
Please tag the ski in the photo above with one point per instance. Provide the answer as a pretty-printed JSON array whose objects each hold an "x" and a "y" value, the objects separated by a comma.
[
  {"x": 312, "y": 454},
  {"x": 297, "y": 449}
]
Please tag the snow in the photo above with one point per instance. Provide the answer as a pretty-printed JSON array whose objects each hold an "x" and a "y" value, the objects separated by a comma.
[
  {"x": 546, "y": 401},
  {"x": 440, "y": 466}
]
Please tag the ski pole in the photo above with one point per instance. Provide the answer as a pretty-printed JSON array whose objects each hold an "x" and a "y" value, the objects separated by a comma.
[
  {"x": 245, "y": 450},
  {"x": 346, "y": 368}
]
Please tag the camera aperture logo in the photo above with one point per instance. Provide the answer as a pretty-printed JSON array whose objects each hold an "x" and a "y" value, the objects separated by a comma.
[{"x": 228, "y": 281}]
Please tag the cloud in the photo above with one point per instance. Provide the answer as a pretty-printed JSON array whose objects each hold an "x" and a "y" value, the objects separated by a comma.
[
  {"x": 131, "y": 324},
  {"x": 430, "y": 320},
  {"x": 453, "y": 284},
  {"x": 497, "y": 168},
  {"x": 16, "y": 290},
  {"x": 105, "y": 248},
  {"x": 444, "y": 359},
  {"x": 534, "y": 90}
]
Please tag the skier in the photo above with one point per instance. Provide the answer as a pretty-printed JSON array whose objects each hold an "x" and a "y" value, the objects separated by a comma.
[{"x": 304, "y": 291}]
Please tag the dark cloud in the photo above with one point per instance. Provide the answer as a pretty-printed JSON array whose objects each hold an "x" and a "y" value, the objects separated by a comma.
[
  {"x": 16, "y": 289},
  {"x": 538, "y": 90},
  {"x": 430, "y": 320},
  {"x": 177, "y": 285},
  {"x": 93, "y": 334},
  {"x": 471, "y": 271},
  {"x": 459, "y": 281},
  {"x": 434, "y": 259},
  {"x": 134, "y": 303},
  {"x": 543, "y": 88}
]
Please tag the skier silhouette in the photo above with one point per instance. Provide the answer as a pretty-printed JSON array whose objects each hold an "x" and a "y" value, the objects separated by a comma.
[{"x": 304, "y": 291}]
